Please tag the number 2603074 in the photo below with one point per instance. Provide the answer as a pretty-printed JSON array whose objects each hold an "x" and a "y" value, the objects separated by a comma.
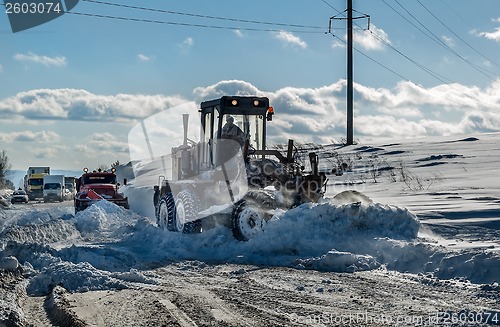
[{"x": 33, "y": 8}]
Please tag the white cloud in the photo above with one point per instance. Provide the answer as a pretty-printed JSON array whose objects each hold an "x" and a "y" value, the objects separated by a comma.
[
  {"x": 1, "y": 68},
  {"x": 495, "y": 36},
  {"x": 44, "y": 60},
  {"x": 107, "y": 142},
  {"x": 291, "y": 39},
  {"x": 188, "y": 42},
  {"x": 449, "y": 41},
  {"x": 312, "y": 114},
  {"x": 233, "y": 87},
  {"x": 145, "y": 58},
  {"x": 46, "y": 153},
  {"x": 408, "y": 112},
  {"x": 239, "y": 34},
  {"x": 372, "y": 39},
  {"x": 318, "y": 114},
  {"x": 102, "y": 145},
  {"x": 81, "y": 105},
  {"x": 337, "y": 44},
  {"x": 29, "y": 136}
]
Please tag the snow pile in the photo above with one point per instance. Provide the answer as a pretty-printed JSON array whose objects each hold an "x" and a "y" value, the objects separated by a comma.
[
  {"x": 37, "y": 226},
  {"x": 104, "y": 218},
  {"x": 82, "y": 277},
  {"x": 325, "y": 222},
  {"x": 49, "y": 232},
  {"x": 317, "y": 233},
  {"x": 304, "y": 233},
  {"x": 9, "y": 263},
  {"x": 340, "y": 262}
]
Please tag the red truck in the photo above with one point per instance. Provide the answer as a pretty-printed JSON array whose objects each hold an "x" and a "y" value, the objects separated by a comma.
[{"x": 97, "y": 186}]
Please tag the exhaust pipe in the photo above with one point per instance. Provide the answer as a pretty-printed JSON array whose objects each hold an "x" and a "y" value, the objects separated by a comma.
[
  {"x": 313, "y": 159},
  {"x": 186, "y": 168},
  {"x": 185, "y": 121},
  {"x": 289, "y": 153}
]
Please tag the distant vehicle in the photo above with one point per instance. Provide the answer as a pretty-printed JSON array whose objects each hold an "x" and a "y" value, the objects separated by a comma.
[
  {"x": 70, "y": 185},
  {"x": 53, "y": 188},
  {"x": 98, "y": 186},
  {"x": 33, "y": 181},
  {"x": 19, "y": 196}
]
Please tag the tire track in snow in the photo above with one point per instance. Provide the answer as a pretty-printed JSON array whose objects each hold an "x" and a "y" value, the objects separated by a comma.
[{"x": 182, "y": 318}]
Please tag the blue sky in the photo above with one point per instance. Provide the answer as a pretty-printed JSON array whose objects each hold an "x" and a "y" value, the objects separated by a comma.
[{"x": 72, "y": 89}]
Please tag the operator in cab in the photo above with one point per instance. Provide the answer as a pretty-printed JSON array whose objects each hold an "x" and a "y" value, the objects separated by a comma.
[
  {"x": 231, "y": 141},
  {"x": 231, "y": 131}
]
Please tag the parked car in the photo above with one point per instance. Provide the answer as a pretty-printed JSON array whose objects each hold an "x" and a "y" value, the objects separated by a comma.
[
  {"x": 19, "y": 196},
  {"x": 3, "y": 202}
]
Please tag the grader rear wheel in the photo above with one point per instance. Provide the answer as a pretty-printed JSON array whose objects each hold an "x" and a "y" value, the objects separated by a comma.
[
  {"x": 166, "y": 209},
  {"x": 177, "y": 214},
  {"x": 187, "y": 206}
]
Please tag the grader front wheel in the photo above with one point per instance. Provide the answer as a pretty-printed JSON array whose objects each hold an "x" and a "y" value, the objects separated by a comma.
[{"x": 247, "y": 221}]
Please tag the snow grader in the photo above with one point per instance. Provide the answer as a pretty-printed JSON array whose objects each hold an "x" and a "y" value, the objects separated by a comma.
[{"x": 230, "y": 176}]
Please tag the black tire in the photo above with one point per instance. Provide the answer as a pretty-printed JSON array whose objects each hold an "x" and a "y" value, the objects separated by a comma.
[
  {"x": 187, "y": 206},
  {"x": 165, "y": 212},
  {"x": 247, "y": 220},
  {"x": 173, "y": 213}
]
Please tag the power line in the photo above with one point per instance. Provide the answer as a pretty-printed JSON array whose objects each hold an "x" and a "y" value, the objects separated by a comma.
[
  {"x": 444, "y": 44},
  {"x": 408, "y": 80},
  {"x": 374, "y": 60},
  {"x": 429, "y": 71},
  {"x": 456, "y": 13},
  {"x": 435, "y": 38},
  {"x": 410, "y": 22},
  {"x": 204, "y": 16},
  {"x": 189, "y": 24},
  {"x": 456, "y": 35},
  {"x": 437, "y": 76}
]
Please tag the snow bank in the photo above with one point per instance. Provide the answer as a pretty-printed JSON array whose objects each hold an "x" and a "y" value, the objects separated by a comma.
[
  {"x": 340, "y": 262},
  {"x": 306, "y": 232},
  {"x": 108, "y": 247},
  {"x": 82, "y": 277}
]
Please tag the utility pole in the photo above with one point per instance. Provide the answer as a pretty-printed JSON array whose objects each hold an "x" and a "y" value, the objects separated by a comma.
[
  {"x": 350, "y": 78},
  {"x": 350, "y": 87}
]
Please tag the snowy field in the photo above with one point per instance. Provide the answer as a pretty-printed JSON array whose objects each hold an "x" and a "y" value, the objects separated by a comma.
[{"x": 425, "y": 252}]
